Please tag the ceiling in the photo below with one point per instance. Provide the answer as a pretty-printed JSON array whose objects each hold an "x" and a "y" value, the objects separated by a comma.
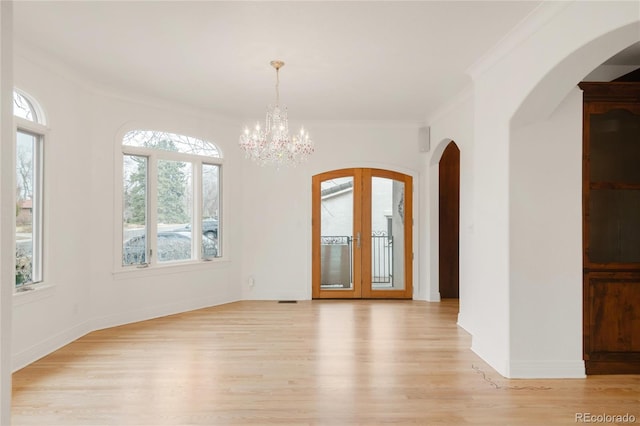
[{"x": 392, "y": 60}]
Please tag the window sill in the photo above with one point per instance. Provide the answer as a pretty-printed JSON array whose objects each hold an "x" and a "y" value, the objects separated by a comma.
[
  {"x": 171, "y": 268},
  {"x": 37, "y": 292}
]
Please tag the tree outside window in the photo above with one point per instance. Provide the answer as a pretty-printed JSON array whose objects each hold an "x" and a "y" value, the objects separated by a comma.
[
  {"x": 29, "y": 191},
  {"x": 159, "y": 183}
]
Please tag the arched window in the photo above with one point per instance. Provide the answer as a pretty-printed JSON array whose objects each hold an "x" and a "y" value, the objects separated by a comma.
[
  {"x": 23, "y": 108},
  {"x": 30, "y": 132},
  {"x": 170, "y": 142},
  {"x": 170, "y": 199}
]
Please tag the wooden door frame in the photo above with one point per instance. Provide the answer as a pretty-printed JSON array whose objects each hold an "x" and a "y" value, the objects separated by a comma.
[
  {"x": 367, "y": 291},
  {"x": 317, "y": 291},
  {"x": 362, "y": 209}
]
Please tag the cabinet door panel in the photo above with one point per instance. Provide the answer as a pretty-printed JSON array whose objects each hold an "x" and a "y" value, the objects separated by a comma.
[
  {"x": 613, "y": 147},
  {"x": 614, "y": 317},
  {"x": 614, "y": 226}
]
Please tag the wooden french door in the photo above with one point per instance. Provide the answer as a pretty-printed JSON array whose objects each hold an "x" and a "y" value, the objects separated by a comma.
[{"x": 362, "y": 227}]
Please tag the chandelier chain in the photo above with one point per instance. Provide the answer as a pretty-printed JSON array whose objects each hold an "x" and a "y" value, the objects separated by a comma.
[{"x": 277, "y": 86}]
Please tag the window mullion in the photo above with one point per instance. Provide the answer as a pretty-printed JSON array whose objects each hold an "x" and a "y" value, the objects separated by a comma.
[
  {"x": 152, "y": 210},
  {"x": 170, "y": 155},
  {"x": 30, "y": 126},
  {"x": 38, "y": 202},
  {"x": 196, "y": 236}
]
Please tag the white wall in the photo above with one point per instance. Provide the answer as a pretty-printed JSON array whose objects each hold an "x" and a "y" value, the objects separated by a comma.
[
  {"x": 130, "y": 296},
  {"x": 82, "y": 290},
  {"x": 46, "y": 319},
  {"x": 266, "y": 212},
  {"x": 546, "y": 244},
  {"x": 277, "y": 203},
  {"x": 550, "y": 345},
  {"x": 516, "y": 142},
  {"x": 555, "y": 50},
  {"x": 489, "y": 246},
  {"x": 7, "y": 212},
  {"x": 455, "y": 124}
]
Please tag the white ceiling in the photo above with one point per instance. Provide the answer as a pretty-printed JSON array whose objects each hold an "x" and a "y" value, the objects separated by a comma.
[{"x": 344, "y": 60}]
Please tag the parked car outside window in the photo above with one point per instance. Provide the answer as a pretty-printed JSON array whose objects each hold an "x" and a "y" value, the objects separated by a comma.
[
  {"x": 209, "y": 228},
  {"x": 172, "y": 246}
]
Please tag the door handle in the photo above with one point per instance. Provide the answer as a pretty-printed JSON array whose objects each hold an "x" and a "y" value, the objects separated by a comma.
[{"x": 358, "y": 240}]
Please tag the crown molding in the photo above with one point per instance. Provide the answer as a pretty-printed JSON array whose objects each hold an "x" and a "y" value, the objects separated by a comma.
[
  {"x": 463, "y": 96},
  {"x": 55, "y": 66},
  {"x": 535, "y": 20}
]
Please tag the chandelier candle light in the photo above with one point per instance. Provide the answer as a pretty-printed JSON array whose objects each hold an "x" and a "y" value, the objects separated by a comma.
[{"x": 272, "y": 144}]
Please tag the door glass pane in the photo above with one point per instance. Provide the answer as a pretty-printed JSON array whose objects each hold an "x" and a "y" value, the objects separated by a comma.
[
  {"x": 614, "y": 147},
  {"x": 336, "y": 234},
  {"x": 134, "y": 210},
  {"x": 175, "y": 197},
  {"x": 387, "y": 234},
  {"x": 614, "y": 226}
]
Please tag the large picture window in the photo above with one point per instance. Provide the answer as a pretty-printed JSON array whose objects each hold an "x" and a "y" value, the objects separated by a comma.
[
  {"x": 170, "y": 199},
  {"x": 30, "y": 130}
]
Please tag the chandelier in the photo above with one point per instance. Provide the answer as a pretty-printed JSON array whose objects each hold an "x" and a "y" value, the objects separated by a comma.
[{"x": 272, "y": 144}]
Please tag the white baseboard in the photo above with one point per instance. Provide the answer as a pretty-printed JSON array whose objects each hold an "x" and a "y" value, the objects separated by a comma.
[
  {"x": 53, "y": 343},
  {"x": 152, "y": 312},
  {"x": 500, "y": 365},
  {"x": 529, "y": 369},
  {"x": 547, "y": 369},
  {"x": 463, "y": 324},
  {"x": 434, "y": 297}
]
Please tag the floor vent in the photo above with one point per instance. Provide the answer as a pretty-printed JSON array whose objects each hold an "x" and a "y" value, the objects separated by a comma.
[{"x": 287, "y": 301}]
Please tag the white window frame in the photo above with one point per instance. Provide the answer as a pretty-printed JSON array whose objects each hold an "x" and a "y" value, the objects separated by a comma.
[
  {"x": 153, "y": 156},
  {"x": 38, "y": 129}
]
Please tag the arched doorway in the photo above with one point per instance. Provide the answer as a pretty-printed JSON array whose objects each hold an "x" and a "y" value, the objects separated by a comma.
[
  {"x": 552, "y": 198},
  {"x": 449, "y": 222}
]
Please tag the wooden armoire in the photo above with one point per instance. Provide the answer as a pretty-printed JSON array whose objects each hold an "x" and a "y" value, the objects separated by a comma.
[{"x": 611, "y": 227}]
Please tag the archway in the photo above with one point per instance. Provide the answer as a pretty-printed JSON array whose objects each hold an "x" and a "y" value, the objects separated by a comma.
[{"x": 545, "y": 186}]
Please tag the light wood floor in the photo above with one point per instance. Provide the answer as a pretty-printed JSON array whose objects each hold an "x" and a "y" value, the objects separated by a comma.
[{"x": 320, "y": 362}]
